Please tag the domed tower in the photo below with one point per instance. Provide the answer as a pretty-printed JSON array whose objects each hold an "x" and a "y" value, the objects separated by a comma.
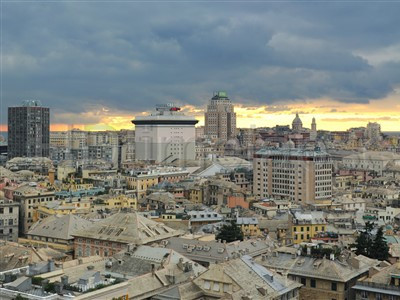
[{"x": 297, "y": 124}]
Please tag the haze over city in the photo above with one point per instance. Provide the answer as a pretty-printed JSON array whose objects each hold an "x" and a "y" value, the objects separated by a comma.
[{"x": 99, "y": 64}]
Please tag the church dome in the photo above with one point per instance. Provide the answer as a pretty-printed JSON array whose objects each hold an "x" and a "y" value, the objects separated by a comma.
[
  {"x": 297, "y": 120},
  {"x": 297, "y": 124}
]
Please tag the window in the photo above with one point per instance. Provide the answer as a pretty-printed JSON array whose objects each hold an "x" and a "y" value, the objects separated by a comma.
[
  {"x": 334, "y": 286},
  {"x": 316, "y": 228},
  {"x": 207, "y": 284},
  {"x": 378, "y": 296},
  {"x": 10, "y": 222},
  {"x": 216, "y": 287},
  {"x": 303, "y": 281},
  {"x": 313, "y": 284}
]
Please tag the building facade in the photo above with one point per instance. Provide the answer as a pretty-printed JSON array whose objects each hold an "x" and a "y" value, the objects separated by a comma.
[
  {"x": 165, "y": 136},
  {"x": 28, "y": 130},
  {"x": 29, "y": 198},
  {"x": 220, "y": 118},
  {"x": 9, "y": 220},
  {"x": 304, "y": 176}
]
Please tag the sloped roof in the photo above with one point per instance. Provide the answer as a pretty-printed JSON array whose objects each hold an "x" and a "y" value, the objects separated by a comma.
[
  {"x": 341, "y": 271},
  {"x": 128, "y": 227},
  {"x": 59, "y": 226},
  {"x": 14, "y": 255}
]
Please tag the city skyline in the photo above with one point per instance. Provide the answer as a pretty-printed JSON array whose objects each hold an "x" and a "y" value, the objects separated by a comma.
[{"x": 337, "y": 62}]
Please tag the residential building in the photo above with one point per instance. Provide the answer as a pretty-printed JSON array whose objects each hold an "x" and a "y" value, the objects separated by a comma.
[
  {"x": 220, "y": 118},
  {"x": 165, "y": 136},
  {"x": 115, "y": 202},
  {"x": 322, "y": 278},
  {"x": 304, "y": 176},
  {"x": 29, "y": 198},
  {"x": 9, "y": 218},
  {"x": 28, "y": 130},
  {"x": 203, "y": 217},
  {"x": 242, "y": 278},
  {"x": 73, "y": 205},
  {"x": 141, "y": 180},
  {"x": 306, "y": 225},
  {"x": 380, "y": 284},
  {"x": 373, "y": 131},
  {"x": 215, "y": 252},
  {"x": 15, "y": 258},
  {"x": 249, "y": 226},
  {"x": 113, "y": 234},
  {"x": 372, "y": 161},
  {"x": 55, "y": 232}
]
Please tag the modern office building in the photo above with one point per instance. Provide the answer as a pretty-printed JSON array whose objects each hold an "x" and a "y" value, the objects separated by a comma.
[
  {"x": 299, "y": 175},
  {"x": 220, "y": 118},
  {"x": 165, "y": 135},
  {"x": 28, "y": 130}
]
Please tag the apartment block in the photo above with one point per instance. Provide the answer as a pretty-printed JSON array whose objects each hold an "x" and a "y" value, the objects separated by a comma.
[{"x": 304, "y": 176}]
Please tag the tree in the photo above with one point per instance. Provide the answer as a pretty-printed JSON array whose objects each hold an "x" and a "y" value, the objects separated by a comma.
[
  {"x": 364, "y": 241},
  {"x": 380, "y": 249},
  {"x": 230, "y": 232},
  {"x": 373, "y": 247}
]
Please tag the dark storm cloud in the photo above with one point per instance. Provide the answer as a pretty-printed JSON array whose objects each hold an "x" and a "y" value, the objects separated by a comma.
[{"x": 129, "y": 56}]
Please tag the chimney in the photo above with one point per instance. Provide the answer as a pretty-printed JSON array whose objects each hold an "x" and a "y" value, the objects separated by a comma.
[
  {"x": 355, "y": 263},
  {"x": 50, "y": 265},
  {"x": 372, "y": 271},
  {"x": 188, "y": 267},
  {"x": 30, "y": 269},
  {"x": 263, "y": 257},
  {"x": 153, "y": 269},
  {"x": 80, "y": 261},
  {"x": 64, "y": 280},
  {"x": 180, "y": 263},
  {"x": 90, "y": 268}
]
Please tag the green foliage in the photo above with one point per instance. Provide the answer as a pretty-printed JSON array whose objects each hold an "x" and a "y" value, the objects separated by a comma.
[
  {"x": 19, "y": 297},
  {"x": 37, "y": 280},
  {"x": 50, "y": 287},
  {"x": 230, "y": 232},
  {"x": 320, "y": 252},
  {"x": 373, "y": 247},
  {"x": 380, "y": 249}
]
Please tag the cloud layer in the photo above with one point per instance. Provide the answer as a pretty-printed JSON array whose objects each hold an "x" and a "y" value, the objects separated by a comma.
[{"x": 81, "y": 57}]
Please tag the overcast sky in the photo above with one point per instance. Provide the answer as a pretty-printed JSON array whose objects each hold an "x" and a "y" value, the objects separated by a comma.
[{"x": 104, "y": 62}]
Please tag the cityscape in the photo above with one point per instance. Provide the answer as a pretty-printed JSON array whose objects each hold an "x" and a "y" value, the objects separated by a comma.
[{"x": 257, "y": 155}]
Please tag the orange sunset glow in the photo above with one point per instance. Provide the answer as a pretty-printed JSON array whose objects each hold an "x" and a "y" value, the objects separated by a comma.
[{"x": 330, "y": 115}]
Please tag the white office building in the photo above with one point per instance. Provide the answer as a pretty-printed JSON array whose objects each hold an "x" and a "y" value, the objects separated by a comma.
[{"x": 165, "y": 135}]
